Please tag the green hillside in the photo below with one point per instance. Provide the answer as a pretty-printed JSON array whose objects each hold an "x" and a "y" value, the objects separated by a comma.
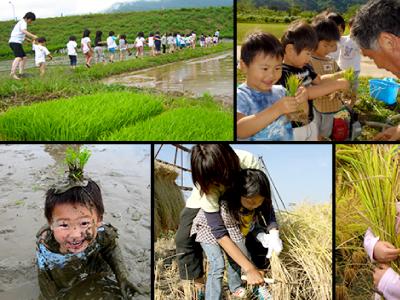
[{"x": 57, "y": 30}]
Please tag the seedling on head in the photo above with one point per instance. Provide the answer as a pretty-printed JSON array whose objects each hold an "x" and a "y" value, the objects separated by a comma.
[{"x": 76, "y": 161}]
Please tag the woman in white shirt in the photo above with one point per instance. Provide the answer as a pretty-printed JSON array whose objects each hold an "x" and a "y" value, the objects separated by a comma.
[{"x": 16, "y": 40}]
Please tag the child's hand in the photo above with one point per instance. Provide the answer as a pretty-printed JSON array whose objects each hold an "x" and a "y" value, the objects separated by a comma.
[
  {"x": 288, "y": 105},
  {"x": 378, "y": 273},
  {"x": 128, "y": 289},
  {"x": 255, "y": 276},
  {"x": 385, "y": 252},
  {"x": 263, "y": 238},
  {"x": 301, "y": 95}
]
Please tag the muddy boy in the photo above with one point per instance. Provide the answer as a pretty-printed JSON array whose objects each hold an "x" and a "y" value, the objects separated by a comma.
[{"x": 77, "y": 247}]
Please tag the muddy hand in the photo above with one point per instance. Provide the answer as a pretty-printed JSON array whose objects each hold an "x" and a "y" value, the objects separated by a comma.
[{"x": 128, "y": 289}]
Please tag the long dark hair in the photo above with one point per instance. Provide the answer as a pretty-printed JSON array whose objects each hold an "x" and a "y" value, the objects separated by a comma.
[
  {"x": 97, "y": 39},
  {"x": 252, "y": 182},
  {"x": 86, "y": 33},
  {"x": 214, "y": 164}
]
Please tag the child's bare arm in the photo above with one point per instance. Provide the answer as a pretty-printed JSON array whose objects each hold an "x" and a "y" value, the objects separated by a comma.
[
  {"x": 50, "y": 56},
  {"x": 249, "y": 125},
  {"x": 31, "y": 35},
  {"x": 326, "y": 87}
]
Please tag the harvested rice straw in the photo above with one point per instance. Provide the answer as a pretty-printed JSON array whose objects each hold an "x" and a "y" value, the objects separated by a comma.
[{"x": 280, "y": 289}]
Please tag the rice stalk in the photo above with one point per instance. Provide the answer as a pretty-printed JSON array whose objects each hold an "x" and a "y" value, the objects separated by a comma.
[{"x": 372, "y": 170}]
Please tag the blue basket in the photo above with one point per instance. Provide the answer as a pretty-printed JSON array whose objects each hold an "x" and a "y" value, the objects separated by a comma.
[{"x": 384, "y": 90}]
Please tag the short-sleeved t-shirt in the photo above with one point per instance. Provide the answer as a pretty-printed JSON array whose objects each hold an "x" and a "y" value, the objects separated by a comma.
[
  {"x": 250, "y": 102},
  {"x": 40, "y": 53},
  {"x": 306, "y": 74},
  {"x": 85, "y": 44},
  {"x": 17, "y": 36},
  {"x": 139, "y": 41},
  {"x": 349, "y": 54},
  {"x": 111, "y": 42},
  {"x": 71, "y": 47}
]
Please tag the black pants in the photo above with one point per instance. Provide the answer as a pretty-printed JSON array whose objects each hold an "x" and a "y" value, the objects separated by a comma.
[
  {"x": 257, "y": 252},
  {"x": 164, "y": 48},
  {"x": 189, "y": 252}
]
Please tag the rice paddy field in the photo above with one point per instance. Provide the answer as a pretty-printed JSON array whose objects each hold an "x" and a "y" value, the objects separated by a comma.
[
  {"x": 302, "y": 271},
  {"x": 76, "y": 105},
  {"x": 366, "y": 195}
]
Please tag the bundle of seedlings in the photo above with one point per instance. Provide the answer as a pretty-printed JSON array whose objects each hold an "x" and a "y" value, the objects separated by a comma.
[
  {"x": 373, "y": 172},
  {"x": 76, "y": 161},
  {"x": 349, "y": 96},
  {"x": 301, "y": 115}
]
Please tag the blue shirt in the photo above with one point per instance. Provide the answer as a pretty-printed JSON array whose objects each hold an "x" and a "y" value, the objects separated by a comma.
[{"x": 250, "y": 102}]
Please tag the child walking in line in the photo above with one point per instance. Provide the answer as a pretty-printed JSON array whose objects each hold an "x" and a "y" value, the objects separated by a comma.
[
  {"x": 262, "y": 106},
  {"x": 15, "y": 42},
  {"x": 86, "y": 47},
  {"x": 157, "y": 43},
  {"x": 111, "y": 45},
  {"x": 242, "y": 217},
  {"x": 151, "y": 44},
  {"x": 98, "y": 48},
  {"x": 139, "y": 44},
  {"x": 39, "y": 46},
  {"x": 164, "y": 43},
  {"x": 72, "y": 54},
  {"x": 194, "y": 39},
  {"x": 215, "y": 169},
  {"x": 202, "y": 40},
  {"x": 123, "y": 47},
  {"x": 171, "y": 43}
]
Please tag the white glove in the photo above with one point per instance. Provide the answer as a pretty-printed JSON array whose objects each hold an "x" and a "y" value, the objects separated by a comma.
[
  {"x": 263, "y": 238},
  {"x": 275, "y": 243}
]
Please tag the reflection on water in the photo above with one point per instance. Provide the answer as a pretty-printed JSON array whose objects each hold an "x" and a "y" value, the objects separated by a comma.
[
  {"x": 27, "y": 171},
  {"x": 213, "y": 75}
]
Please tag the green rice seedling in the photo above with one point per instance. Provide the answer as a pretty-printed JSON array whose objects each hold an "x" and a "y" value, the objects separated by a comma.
[
  {"x": 191, "y": 124},
  {"x": 79, "y": 118},
  {"x": 292, "y": 84},
  {"x": 76, "y": 161},
  {"x": 350, "y": 76}
]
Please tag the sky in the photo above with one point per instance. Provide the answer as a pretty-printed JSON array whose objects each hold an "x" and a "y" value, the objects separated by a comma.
[
  {"x": 300, "y": 172},
  {"x": 53, "y": 8}
]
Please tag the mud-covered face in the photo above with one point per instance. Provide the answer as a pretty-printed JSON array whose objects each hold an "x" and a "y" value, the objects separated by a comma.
[{"x": 74, "y": 227}]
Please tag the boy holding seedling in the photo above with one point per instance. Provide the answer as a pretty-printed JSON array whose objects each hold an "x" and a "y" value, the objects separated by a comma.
[
  {"x": 39, "y": 46},
  {"x": 298, "y": 42},
  {"x": 76, "y": 246},
  {"x": 262, "y": 106}
]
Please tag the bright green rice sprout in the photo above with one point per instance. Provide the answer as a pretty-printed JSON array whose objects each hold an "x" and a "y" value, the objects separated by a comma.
[
  {"x": 350, "y": 76},
  {"x": 292, "y": 84},
  {"x": 76, "y": 161}
]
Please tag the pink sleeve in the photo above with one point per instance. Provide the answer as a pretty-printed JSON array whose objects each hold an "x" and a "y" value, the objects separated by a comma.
[
  {"x": 369, "y": 243},
  {"x": 389, "y": 285}
]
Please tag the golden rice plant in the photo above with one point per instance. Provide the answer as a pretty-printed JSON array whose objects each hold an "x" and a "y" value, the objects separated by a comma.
[{"x": 373, "y": 172}]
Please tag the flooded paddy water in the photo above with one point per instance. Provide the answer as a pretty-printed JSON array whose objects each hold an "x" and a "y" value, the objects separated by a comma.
[
  {"x": 27, "y": 171},
  {"x": 211, "y": 74}
]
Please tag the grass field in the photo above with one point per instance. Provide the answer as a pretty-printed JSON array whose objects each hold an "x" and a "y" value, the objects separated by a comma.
[
  {"x": 118, "y": 116},
  {"x": 243, "y": 29},
  {"x": 58, "y": 30}
]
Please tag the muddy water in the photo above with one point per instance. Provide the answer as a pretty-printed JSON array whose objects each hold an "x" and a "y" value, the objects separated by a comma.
[
  {"x": 211, "y": 74},
  {"x": 26, "y": 172}
]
